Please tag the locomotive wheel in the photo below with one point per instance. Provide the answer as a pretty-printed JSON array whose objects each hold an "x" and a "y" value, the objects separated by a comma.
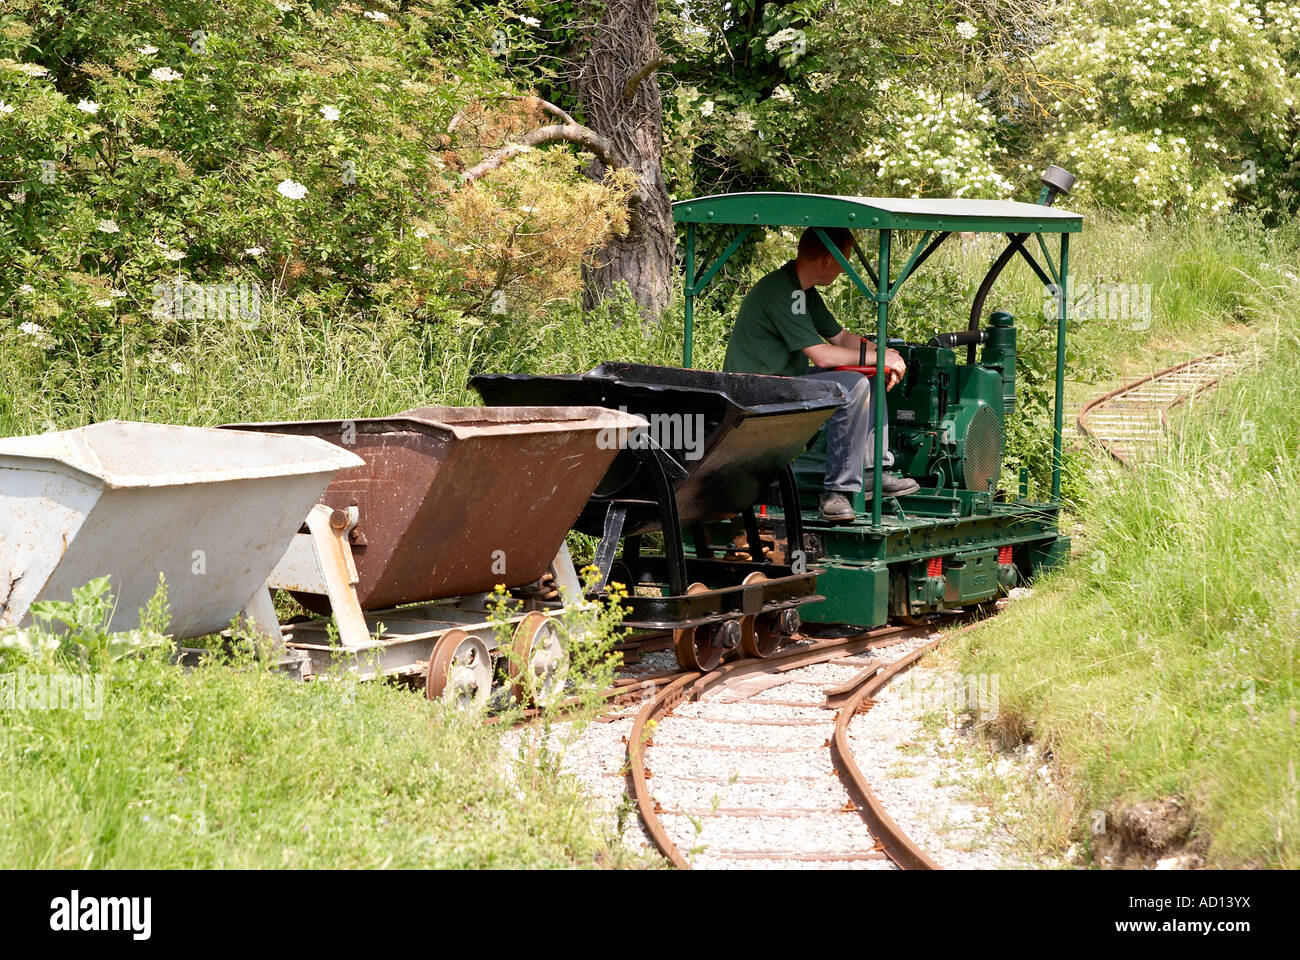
[
  {"x": 460, "y": 671},
  {"x": 539, "y": 663}
]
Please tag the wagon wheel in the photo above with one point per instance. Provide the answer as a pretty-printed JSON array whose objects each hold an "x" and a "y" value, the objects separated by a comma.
[
  {"x": 695, "y": 646},
  {"x": 539, "y": 664},
  {"x": 460, "y": 671},
  {"x": 758, "y": 635}
]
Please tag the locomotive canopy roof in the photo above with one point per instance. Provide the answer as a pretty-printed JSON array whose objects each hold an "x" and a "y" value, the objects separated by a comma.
[{"x": 774, "y": 209}]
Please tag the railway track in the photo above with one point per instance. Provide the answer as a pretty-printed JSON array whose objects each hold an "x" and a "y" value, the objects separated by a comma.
[
  {"x": 1129, "y": 421},
  {"x": 750, "y": 765}
]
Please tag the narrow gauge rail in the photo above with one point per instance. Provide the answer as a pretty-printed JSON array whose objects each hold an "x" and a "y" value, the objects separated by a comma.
[
  {"x": 1128, "y": 421},
  {"x": 746, "y": 680}
]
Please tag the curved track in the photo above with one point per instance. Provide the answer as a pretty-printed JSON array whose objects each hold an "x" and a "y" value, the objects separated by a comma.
[
  {"x": 757, "y": 758},
  {"x": 1129, "y": 420}
]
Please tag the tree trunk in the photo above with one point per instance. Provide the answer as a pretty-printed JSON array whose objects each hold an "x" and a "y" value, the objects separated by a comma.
[{"x": 620, "y": 100}]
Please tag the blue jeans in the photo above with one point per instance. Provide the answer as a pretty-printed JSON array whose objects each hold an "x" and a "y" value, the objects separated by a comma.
[{"x": 849, "y": 432}]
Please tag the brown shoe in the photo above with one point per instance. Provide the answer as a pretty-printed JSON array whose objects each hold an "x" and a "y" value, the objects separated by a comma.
[
  {"x": 892, "y": 486},
  {"x": 835, "y": 506}
]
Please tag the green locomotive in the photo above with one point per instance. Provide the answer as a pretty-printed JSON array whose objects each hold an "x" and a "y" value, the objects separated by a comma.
[{"x": 960, "y": 539}]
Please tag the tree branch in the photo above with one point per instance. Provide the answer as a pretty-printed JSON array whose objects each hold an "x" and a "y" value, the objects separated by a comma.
[
  {"x": 546, "y": 105},
  {"x": 574, "y": 133},
  {"x": 634, "y": 81}
]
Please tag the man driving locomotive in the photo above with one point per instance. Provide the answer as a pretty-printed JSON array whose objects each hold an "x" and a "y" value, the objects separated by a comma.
[{"x": 782, "y": 325}]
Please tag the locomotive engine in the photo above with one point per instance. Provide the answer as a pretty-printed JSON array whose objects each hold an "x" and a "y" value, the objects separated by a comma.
[{"x": 945, "y": 419}]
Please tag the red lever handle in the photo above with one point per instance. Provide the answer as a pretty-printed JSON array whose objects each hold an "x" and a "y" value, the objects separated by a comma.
[{"x": 865, "y": 371}]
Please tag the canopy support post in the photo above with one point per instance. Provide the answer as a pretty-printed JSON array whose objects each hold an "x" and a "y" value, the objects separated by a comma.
[
  {"x": 695, "y": 285},
  {"x": 878, "y": 384},
  {"x": 690, "y": 295},
  {"x": 1062, "y": 306}
]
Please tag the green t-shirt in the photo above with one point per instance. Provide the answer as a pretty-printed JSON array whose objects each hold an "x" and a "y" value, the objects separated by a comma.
[{"x": 777, "y": 319}]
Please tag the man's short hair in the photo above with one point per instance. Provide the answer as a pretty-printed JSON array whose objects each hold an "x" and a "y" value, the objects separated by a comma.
[{"x": 811, "y": 246}]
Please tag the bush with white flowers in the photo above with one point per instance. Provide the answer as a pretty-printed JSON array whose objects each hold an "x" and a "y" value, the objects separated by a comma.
[
  {"x": 294, "y": 146},
  {"x": 1177, "y": 106},
  {"x": 944, "y": 144}
]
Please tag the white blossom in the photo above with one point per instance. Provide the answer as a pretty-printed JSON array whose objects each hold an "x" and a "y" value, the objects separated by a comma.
[
  {"x": 376, "y": 16},
  {"x": 291, "y": 190},
  {"x": 36, "y": 332},
  {"x": 966, "y": 30},
  {"x": 706, "y": 108},
  {"x": 531, "y": 21},
  {"x": 254, "y": 252},
  {"x": 109, "y": 226},
  {"x": 164, "y": 74},
  {"x": 329, "y": 113},
  {"x": 282, "y": 6},
  {"x": 5, "y": 108},
  {"x": 782, "y": 37},
  {"x": 148, "y": 50}
]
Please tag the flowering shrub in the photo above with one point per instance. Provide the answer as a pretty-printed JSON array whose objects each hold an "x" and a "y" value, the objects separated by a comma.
[
  {"x": 298, "y": 148},
  {"x": 1180, "y": 106},
  {"x": 946, "y": 148}
]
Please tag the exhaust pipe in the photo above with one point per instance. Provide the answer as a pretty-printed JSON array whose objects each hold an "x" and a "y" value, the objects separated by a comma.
[{"x": 1056, "y": 181}]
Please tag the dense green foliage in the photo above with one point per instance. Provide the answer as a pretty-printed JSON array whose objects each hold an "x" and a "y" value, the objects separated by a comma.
[{"x": 1184, "y": 105}]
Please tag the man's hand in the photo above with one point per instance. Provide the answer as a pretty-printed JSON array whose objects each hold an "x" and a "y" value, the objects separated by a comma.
[{"x": 894, "y": 367}]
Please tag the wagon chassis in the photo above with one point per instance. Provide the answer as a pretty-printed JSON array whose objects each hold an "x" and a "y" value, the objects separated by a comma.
[
  {"x": 452, "y": 643},
  {"x": 711, "y": 604}
]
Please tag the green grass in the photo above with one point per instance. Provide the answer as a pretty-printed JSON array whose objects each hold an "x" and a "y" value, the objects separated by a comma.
[
  {"x": 246, "y": 768},
  {"x": 1162, "y": 662}
]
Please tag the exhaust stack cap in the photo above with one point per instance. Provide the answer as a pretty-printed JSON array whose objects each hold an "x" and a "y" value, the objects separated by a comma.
[{"x": 1058, "y": 179}]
